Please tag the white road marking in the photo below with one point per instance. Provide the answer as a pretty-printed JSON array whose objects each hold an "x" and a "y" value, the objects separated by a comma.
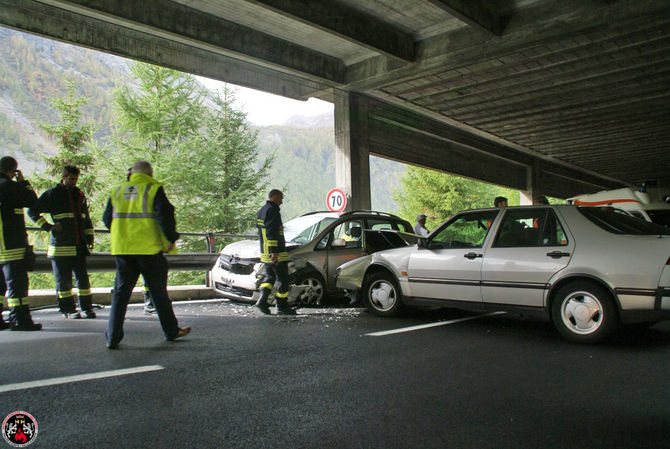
[
  {"x": 425, "y": 326},
  {"x": 79, "y": 378}
]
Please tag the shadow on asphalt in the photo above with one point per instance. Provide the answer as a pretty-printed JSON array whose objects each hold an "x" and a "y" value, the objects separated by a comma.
[{"x": 626, "y": 336}]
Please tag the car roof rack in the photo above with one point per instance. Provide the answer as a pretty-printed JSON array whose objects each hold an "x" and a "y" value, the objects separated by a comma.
[
  {"x": 370, "y": 212},
  {"x": 352, "y": 212},
  {"x": 314, "y": 212}
]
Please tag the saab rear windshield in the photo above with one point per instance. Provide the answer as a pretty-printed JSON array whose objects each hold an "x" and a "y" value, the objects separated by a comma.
[{"x": 612, "y": 220}]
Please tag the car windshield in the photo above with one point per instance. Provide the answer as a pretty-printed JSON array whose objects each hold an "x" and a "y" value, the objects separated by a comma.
[
  {"x": 617, "y": 223},
  {"x": 303, "y": 229}
]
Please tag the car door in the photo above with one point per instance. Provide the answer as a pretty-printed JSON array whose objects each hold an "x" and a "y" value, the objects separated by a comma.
[
  {"x": 345, "y": 243},
  {"x": 447, "y": 265},
  {"x": 530, "y": 246}
]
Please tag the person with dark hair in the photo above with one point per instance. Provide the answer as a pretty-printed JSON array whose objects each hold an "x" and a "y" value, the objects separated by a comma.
[
  {"x": 14, "y": 196},
  {"x": 71, "y": 240},
  {"x": 273, "y": 255},
  {"x": 500, "y": 201},
  {"x": 142, "y": 224}
]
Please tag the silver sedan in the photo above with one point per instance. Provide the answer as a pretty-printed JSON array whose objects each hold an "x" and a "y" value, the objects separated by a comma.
[{"x": 587, "y": 269}]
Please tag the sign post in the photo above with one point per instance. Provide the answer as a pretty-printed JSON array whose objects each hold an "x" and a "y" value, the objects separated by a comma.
[{"x": 336, "y": 200}]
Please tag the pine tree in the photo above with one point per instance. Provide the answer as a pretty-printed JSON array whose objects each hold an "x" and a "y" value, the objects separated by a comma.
[
  {"x": 230, "y": 188},
  {"x": 200, "y": 148},
  {"x": 71, "y": 138}
]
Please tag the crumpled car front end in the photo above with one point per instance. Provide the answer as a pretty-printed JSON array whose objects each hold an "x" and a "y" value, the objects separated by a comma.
[{"x": 238, "y": 273}]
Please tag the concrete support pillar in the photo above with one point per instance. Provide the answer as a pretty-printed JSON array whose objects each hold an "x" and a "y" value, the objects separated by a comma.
[
  {"x": 533, "y": 185},
  {"x": 352, "y": 154}
]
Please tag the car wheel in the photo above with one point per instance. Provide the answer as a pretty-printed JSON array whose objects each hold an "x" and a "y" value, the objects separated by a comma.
[
  {"x": 314, "y": 293},
  {"x": 382, "y": 294},
  {"x": 584, "y": 312}
]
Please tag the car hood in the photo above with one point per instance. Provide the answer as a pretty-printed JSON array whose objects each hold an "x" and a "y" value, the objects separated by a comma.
[
  {"x": 248, "y": 249},
  {"x": 244, "y": 249}
]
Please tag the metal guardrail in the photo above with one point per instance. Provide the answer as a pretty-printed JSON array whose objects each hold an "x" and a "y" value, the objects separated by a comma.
[{"x": 101, "y": 261}]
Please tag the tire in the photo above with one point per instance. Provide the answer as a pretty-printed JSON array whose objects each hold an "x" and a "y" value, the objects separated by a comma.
[
  {"x": 316, "y": 289},
  {"x": 584, "y": 312},
  {"x": 382, "y": 294}
]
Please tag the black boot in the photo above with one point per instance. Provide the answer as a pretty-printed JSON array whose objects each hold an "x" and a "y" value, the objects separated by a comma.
[
  {"x": 283, "y": 308},
  {"x": 20, "y": 319},
  {"x": 86, "y": 306},
  {"x": 3, "y": 325},
  {"x": 68, "y": 308},
  {"x": 262, "y": 303}
]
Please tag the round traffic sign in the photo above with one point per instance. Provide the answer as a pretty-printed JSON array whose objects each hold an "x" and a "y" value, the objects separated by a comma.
[{"x": 336, "y": 200}]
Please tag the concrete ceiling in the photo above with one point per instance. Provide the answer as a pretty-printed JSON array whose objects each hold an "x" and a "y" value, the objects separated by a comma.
[{"x": 581, "y": 84}]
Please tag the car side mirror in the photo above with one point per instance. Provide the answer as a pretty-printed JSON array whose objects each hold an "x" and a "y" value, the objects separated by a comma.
[
  {"x": 422, "y": 242},
  {"x": 339, "y": 243}
]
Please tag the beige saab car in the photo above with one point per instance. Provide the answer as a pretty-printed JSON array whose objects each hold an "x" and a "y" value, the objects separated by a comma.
[{"x": 587, "y": 269}]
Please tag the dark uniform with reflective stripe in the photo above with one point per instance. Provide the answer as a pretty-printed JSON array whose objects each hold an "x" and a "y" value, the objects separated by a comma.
[
  {"x": 14, "y": 196},
  {"x": 271, "y": 236},
  {"x": 68, "y": 247}
]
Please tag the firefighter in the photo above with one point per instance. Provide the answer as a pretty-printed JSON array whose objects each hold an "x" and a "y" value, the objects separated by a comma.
[
  {"x": 142, "y": 224},
  {"x": 14, "y": 196},
  {"x": 71, "y": 240},
  {"x": 273, "y": 255}
]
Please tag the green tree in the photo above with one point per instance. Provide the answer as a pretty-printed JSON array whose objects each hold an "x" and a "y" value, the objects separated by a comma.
[
  {"x": 71, "y": 138},
  {"x": 440, "y": 195},
  {"x": 200, "y": 147},
  {"x": 158, "y": 114},
  {"x": 229, "y": 188}
]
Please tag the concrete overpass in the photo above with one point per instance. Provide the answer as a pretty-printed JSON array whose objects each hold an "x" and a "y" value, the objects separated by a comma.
[{"x": 546, "y": 96}]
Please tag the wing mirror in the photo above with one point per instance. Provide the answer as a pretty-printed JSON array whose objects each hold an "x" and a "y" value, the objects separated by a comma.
[
  {"x": 422, "y": 242},
  {"x": 339, "y": 243}
]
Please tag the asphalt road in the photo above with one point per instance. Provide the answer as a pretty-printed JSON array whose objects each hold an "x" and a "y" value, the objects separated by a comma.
[{"x": 240, "y": 380}]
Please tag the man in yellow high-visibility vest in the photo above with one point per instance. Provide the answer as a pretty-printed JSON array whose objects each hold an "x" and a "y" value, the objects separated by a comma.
[{"x": 142, "y": 225}]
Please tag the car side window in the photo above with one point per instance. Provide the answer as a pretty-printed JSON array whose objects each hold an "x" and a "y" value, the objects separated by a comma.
[
  {"x": 376, "y": 224},
  {"x": 323, "y": 242},
  {"x": 465, "y": 231},
  {"x": 351, "y": 232},
  {"x": 530, "y": 227}
]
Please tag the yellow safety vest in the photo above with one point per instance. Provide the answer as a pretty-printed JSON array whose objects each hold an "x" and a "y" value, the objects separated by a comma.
[{"x": 134, "y": 227}]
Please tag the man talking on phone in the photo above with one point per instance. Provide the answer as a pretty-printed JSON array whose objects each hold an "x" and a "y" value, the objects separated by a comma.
[{"x": 14, "y": 196}]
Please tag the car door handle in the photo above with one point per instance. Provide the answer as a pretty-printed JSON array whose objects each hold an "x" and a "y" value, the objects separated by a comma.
[
  {"x": 472, "y": 255},
  {"x": 557, "y": 254}
]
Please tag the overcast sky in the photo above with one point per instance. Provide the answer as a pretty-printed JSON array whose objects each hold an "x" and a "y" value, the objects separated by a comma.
[{"x": 265, "y": 109}]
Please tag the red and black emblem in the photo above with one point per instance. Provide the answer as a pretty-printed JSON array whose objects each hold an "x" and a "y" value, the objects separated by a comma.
[{"x": 19, "y": 429}]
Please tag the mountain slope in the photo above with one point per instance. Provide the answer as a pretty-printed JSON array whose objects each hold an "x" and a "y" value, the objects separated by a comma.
[{"x": 34, "y": 70}]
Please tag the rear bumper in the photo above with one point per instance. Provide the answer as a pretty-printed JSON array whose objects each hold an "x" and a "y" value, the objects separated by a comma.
[{"x": 643, "y": 305}]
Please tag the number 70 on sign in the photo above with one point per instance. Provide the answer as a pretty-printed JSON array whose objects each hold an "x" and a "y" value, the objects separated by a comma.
[{"x": 336, "y": 200}]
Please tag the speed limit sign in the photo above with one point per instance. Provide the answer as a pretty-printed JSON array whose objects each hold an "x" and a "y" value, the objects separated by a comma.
[{"x": 336, "y": 200}]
